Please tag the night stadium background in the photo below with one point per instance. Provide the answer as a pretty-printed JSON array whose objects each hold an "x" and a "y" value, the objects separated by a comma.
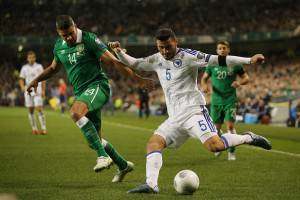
[{"x": 57, "y": 165}]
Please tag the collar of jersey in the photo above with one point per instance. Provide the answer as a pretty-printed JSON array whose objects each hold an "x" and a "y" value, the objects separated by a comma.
[{"x": 79, "y": 36}]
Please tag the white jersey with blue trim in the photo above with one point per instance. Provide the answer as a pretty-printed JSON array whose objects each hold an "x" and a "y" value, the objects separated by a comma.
[
  {"x": 30, "y": 72},
  {"x": 178, "y": 78}
]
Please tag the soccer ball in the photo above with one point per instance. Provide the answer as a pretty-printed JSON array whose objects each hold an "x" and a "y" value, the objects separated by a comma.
[{"x": 186, "y": 182}]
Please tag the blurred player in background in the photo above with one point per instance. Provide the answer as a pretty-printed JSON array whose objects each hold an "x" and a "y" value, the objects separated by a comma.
[
  {"x": 81, "y": 53},
  {"x": 62, "y": 91},
  {"x": 144, "y": 102},
  {"x": 34, "y": 101},
  {"x": 223, "y": 100},
  {"x": 177, "y": 70}
]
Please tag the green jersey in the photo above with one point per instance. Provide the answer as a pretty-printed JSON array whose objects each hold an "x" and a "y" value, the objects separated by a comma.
[
  {"x": 82, "y": 60},
  {"x": 222, "y": 77}
]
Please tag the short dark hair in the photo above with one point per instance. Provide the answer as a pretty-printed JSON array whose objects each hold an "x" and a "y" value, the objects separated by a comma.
[
  {"x": 224, "y": 42},
  {"x": 164, "y": 34},
  {"x": 64, "y": 22},
  {"x": 30, "y": 53}
]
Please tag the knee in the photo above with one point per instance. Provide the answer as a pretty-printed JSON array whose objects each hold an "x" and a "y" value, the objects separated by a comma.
[
  {"x": 155, "y": 143},
  {"x": 75, "y": 115},
  {"x": 78, "y": 110},
  {"x": 215, "y": 144}
]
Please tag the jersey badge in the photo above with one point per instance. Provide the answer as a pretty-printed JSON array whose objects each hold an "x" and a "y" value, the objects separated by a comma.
[
  {"x": 177, "y": 63},
  {"x": 80, "y": 49}
]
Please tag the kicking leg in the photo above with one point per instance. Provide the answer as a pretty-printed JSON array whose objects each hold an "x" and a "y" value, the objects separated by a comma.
[
  {"x": 153, "y": 164},
  {"x": 123, "y": 165},
  {"x": 78, "y": 112}
]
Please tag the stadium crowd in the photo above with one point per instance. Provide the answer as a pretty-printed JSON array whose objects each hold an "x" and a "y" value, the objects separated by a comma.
[
  {"x": 276, "y": 79},
  {"x": 186, "y": 17}
]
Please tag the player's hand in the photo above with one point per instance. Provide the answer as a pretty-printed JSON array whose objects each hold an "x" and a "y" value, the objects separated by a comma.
[
  {"x": 257, "y": 58},
  {"x": 235, "y": 84},
  {"x": 146, "y": 83},
  {"x": 115, "y": 46},
  {"x": 33, "y": 85}
]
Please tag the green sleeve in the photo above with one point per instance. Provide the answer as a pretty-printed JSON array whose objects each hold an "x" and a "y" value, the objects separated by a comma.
[
  {"x": 239, "y": 70},
  {"x": 208, "y": 70},
  {"x": 55, "y": 55},
  {"x": 56, "y": 58},
  {"x": 96, "y": 45}
]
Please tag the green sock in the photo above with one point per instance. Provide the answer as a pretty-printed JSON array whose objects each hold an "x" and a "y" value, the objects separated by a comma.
[
  {"x": 231, "y": 149},
  {"x": 220, "y": 132},
  {"x": 91, "y": 135},
  {"x": 114, "y": 155}
]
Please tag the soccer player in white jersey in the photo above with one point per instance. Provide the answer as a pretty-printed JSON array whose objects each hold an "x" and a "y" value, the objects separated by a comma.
[
  {"x": 177, "y": 70},
  {"x": 29, "y": 72}
]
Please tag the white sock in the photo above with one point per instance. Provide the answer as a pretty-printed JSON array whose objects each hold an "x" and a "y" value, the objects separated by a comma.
[
  {"x": 42, "y": 120},
  {"x": 31, "y": 118},
  {"x": 232, "y": 140},
  {"x": 153, "y": 165}
]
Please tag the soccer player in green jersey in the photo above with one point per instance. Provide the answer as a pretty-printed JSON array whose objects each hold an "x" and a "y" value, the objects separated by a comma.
[
  {"x": 81, "y": 53},
  {"x": 223, "y": 100}
]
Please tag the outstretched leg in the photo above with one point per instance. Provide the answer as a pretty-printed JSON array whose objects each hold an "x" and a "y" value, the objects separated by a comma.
[
  {"x": 154, "y": 162},
  {"x": 227, "y": 140},
  {"x": 79, "y": 111}
]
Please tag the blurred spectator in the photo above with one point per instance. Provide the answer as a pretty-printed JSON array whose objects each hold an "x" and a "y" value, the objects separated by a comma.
[
  {"x": 62, "y": 91},
  {"x": 188, "y": 17},
  {"x": 143, "y": 103},
  {"x": 297, "y": 123}
]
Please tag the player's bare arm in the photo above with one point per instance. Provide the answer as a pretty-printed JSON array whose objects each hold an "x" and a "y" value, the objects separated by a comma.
[
  {"x": 46, "y": 74},
  {"x": 244, "y": 80},
  {"x": 22, "y": 84},
  {"x": 257, "y": 58},
  {"x": 110, "y": 59},
  {"x": 43, "y": 88},
  {"x": 204, "y": 85}
]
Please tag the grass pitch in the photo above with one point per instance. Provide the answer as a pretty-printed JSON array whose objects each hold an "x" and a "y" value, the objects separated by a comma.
[{"x": 59, "y": 165}]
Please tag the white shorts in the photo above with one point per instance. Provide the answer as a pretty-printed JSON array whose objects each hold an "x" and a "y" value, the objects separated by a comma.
[
  {"x": 33, "y": 101},
  {"x": 199, "y": 126}
]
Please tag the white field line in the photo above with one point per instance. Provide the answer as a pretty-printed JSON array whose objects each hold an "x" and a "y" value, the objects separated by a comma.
[
  {"x": 151, "y": 131},
  {"x": 248, "y": 147}
]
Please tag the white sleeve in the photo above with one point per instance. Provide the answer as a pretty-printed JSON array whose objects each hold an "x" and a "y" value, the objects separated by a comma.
[
  {"x": 208, "y": 59},
  {"x": 41, "y": 68},
  {"x": 22, "y": 73},
  {"x": 142, "y": 64}
]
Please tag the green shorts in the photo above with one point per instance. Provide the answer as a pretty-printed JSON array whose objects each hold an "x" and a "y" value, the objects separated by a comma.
[
  {"x": 95, "y": 97},
  {"x": 226, "y": 112}
]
